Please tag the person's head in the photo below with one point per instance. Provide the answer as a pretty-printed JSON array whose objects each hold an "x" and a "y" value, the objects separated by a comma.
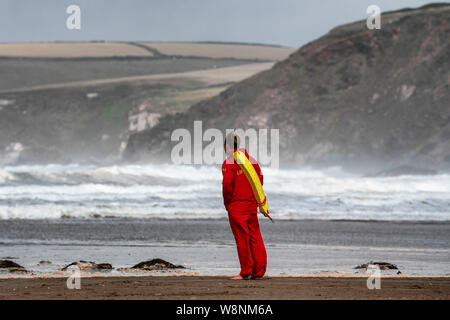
[{"x": 231, "y": 143}]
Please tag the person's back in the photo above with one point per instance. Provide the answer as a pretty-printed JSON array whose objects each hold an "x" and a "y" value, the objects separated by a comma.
[
  {"x": 237, "y": 192},
  {"x": 242, "y": 213}
]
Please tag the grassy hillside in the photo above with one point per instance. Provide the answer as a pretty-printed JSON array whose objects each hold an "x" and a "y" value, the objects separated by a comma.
[
  {"x": 72, "y": 50},
  {"x": 26, "y": 65},
  {"x": 19, "y": 74},
  {"x": 220, "y": 50},
  {"x": 63, "y": 102}
]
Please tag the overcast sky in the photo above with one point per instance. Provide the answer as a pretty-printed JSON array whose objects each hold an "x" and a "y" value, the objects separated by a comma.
[{"x": 283, "y": 22}]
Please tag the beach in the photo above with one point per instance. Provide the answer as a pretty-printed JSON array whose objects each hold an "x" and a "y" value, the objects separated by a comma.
[
  {"x": 326, "y": 224},
  {"x": 213, "y": 287},
  {"x": 117, "y": 178},
  {"x": 206, "y": 247}
]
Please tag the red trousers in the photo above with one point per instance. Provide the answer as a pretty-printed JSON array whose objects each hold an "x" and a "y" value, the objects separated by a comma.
[{"x": 250, "y": 245}]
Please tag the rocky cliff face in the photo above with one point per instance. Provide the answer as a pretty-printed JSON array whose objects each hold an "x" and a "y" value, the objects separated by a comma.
[{"x": 364, "y": 99}]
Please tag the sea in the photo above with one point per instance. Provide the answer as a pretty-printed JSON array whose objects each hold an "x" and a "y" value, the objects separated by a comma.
[{"x": 325, "y": 220}]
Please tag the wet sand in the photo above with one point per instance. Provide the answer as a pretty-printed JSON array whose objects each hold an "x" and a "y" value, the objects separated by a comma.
[
  {"x": 208, "y": 287},
  {"x": 207, "y": 247}
]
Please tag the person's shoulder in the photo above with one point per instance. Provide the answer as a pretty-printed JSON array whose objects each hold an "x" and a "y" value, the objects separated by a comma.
[
  {"x": 224, "y": 163},
  {"x": 252, "y": 160},
  {"x": 228, "y": 165},
  {"x": 249, "y": 157}
]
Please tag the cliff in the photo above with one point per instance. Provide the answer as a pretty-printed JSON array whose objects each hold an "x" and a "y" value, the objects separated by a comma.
[{"x": 364, "y": 99}]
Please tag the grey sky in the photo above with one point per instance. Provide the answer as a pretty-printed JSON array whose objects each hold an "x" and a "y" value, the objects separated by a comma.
[{"x": 284, "y": 22}]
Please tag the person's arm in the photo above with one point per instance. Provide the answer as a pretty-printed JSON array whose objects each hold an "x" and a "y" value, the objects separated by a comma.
[
  {"x": 259, "y": 172},
  {"x": 227, "y": 184}
]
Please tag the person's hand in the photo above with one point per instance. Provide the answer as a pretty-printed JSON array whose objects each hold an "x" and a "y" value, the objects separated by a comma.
[{"x": 266, "y": 214}]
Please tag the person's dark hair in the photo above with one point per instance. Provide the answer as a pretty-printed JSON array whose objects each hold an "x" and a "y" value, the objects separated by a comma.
[{"x": 231, "y": 139}]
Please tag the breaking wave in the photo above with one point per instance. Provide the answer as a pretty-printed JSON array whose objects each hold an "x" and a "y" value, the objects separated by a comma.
[{"x": 187, "y": 192}]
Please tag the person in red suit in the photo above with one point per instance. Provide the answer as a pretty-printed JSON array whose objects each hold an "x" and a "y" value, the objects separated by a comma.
[{"x": 242, "y": 211}]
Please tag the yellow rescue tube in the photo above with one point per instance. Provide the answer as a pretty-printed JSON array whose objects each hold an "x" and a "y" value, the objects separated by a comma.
[{"x": 253, "y": 178}]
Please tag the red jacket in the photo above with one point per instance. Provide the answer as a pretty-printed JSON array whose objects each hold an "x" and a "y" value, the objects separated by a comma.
[{"x": 237, "y": 193}]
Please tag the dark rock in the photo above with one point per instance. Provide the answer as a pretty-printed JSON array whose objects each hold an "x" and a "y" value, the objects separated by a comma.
[
  {"x": 89, "y": 266},
  {"x": 45, "y": 262},
  {"x": 381, "y": 265},
  {"x": 8, "y": 264},
  {"x": 156, "y": 264},
  {"x": 18, "y": 270}
]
